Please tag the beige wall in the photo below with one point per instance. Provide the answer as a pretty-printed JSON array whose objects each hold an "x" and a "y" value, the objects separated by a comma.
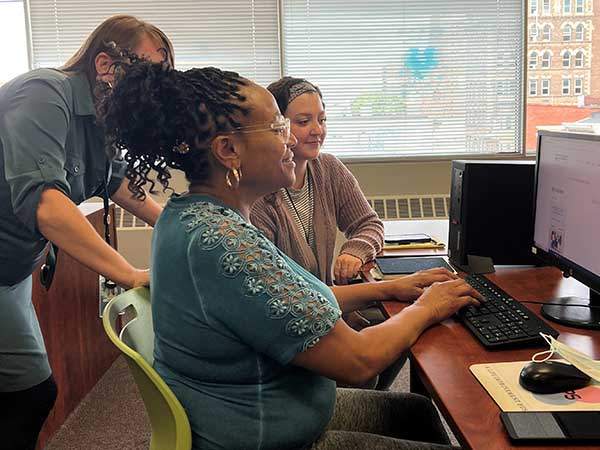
[
  {"x": 389, "y": 178},
  {"x": 385, "y": 178}
]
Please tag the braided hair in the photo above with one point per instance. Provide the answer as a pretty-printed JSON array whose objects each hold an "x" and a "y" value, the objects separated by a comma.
[{"x": 163, "y": 118}]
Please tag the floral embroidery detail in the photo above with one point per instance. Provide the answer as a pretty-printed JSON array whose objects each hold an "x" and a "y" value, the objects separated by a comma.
[{"x": 249, "y": 254}]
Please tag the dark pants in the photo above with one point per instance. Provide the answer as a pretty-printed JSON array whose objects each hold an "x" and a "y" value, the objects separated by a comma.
[{"x": 22, "y": 414}]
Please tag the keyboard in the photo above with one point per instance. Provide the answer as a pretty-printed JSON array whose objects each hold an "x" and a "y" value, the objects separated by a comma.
[{"x": 502, "y": 321}]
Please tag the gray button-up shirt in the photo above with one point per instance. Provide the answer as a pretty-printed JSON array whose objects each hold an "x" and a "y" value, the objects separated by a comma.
[{"x": 48, "y": 138}]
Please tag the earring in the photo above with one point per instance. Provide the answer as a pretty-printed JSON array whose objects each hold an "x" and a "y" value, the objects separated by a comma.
[{"x": 237, "y": 176}]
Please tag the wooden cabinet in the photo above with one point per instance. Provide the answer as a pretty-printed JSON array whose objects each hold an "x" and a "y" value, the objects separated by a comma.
[{"x": 79, "y": 351}]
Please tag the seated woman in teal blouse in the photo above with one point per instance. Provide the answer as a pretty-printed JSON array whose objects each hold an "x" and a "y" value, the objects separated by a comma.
[{"x": 248, "y": 340}]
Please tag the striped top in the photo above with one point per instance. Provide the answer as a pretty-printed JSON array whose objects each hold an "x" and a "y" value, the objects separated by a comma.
[
  {"x": 338, "y": 204},
  {"x": 300, "y": 203}
]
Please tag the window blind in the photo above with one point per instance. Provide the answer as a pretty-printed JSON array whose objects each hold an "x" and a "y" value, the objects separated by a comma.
[
  {"x": 238, "y": 35},
  {"x": 411, "y": 77}
]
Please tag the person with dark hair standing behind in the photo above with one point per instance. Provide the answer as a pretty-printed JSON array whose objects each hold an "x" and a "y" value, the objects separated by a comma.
[
  {"x": 53, "y": 157},
  {"x": 249, "y": 341},
  {"x": 303, "y": 220}
]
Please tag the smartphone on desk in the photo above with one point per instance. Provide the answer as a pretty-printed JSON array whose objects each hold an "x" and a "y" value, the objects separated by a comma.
[
  {"x": 407, "y": 238},
  {"x": 565, "y": 426}
]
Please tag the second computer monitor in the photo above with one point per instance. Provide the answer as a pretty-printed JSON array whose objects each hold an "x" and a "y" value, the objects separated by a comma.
[{"x": 567, "y": 218}]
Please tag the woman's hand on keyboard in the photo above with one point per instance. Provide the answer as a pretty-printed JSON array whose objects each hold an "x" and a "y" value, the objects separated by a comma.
[
  {"x": 444, "y": 299},
  {"x": 410, "y": 287}
]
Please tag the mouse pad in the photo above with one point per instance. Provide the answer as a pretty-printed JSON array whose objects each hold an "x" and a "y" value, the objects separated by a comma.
[{"x": 501, "y": 381}]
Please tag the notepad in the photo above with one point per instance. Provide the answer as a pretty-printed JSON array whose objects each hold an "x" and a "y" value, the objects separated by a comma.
[
  {"x": 501, "y": 381},
  {"x": 397, "y": 265}
]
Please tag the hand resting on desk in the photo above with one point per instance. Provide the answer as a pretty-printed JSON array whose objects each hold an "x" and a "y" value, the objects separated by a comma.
[{"x": 408, "y": 288}]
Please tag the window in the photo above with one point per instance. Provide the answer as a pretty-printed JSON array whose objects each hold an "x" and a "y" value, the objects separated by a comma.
[
  {"x": 12, "y": 29},
  {"x": 566, "y": 6},
  {"x": 579, "y": 59},
  {"x": 547, "y": 33},
  {"x": 579, "y": 6},
  {"x": 533, "y": 32},
  {"x": 533, "y": 7},
  {"x": 567, "y": 32},
  {"x": 532, "y": 88},
  {"x": 578, "y": 88},
  {"x": 201, "y": 32},
  {"x": 566, "y": 59},
  {"x": 546, "y": 59},
  {"x": 566, "y": 86},
  {"x": 546, "y": 87},
  {"x": 546, "y": 7},
  {"x": 397, "y": 76},
  {"x": 533, "y": 57},
  {"x": 580, "y": 32}
]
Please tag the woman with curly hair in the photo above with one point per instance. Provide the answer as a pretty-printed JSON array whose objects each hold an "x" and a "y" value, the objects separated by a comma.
[
  {"x": 303, "y": 219},
  {"x": 53, "y": 157},
  {"x": 249, "y": 341}
]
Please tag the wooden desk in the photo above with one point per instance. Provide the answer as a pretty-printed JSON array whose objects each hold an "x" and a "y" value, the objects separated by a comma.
[
  {"x": 437, "y": 229},
  {"x": 78, "y": 349},
  {"x": 442, "y": 356}
]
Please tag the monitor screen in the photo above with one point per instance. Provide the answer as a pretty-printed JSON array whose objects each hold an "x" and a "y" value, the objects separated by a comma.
[
  {"x": 567, "y": 204},
  {"x": 567, "y": 209}
]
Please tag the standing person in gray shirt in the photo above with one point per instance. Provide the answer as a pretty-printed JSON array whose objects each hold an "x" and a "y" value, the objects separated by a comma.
[{"x": 53, "y": 157}]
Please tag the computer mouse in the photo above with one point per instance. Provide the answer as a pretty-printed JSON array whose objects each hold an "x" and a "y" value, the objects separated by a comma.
[{"x": 552, "y": 377}]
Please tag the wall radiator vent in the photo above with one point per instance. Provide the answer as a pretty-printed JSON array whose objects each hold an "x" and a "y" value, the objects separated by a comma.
[
  {"x": 392, "y": 207},
  {"x": 127, "y": 221},
  {"x": 411, "y": 207}
]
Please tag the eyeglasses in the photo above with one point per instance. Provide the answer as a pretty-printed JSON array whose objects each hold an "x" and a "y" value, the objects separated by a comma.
[{"x": 280, "y": 126}]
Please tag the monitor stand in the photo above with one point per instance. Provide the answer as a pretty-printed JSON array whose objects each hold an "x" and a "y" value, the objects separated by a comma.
[{"x": 566, "y": 313}]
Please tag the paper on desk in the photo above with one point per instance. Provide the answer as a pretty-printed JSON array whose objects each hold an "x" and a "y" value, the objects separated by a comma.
[
  {"x": 501, "y": 381},
  {"x": 416, "y": 245}
]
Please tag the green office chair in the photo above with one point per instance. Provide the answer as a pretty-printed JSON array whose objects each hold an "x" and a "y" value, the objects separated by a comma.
[{"x": 130, "y": 313}]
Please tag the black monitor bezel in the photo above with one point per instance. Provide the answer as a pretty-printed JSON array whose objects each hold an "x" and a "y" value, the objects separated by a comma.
[{"x": 567, "y": 266}]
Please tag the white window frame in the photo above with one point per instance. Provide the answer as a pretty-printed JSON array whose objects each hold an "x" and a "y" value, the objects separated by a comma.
[
  {"x": 566, "y": 83},
  {"x": 567, "y": 33},
  {"x": 533, "y": 60},
  {"x": 567, "y": 6},
  {"x": 579, "y": 59},
  {"x": 534, "y": 32},
  {"x": 580, "y": 32},
  {"x": 545, "y": 87},
  {"x": 578, "y": 90},
  {"x": 532, "y": 87},
  {"x": 547, "y": 32},
  {"x": 566, "y": 59},
  {"x": 533, "y": 7},
  {"x": 546, "y": 59},
  {"x": 546, "y": 7},
  {"x": 580, "y": 6}
]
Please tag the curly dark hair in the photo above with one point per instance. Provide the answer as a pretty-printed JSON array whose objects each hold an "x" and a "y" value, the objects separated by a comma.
[
  {"x": 162, "y": 118},
  {"x": 281, "y": 90}
]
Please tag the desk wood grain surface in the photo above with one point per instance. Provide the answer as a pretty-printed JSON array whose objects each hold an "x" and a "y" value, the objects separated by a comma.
[{"x": 442, "y": 356}]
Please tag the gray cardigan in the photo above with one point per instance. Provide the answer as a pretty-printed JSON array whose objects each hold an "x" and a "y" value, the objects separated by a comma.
[{"x": 339, "y": 203}]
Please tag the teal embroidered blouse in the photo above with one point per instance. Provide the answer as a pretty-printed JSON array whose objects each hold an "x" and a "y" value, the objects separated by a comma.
[{"x": 230, "y": 312}]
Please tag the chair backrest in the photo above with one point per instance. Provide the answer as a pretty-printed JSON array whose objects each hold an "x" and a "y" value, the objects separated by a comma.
[{"x": 135, "y": 339}]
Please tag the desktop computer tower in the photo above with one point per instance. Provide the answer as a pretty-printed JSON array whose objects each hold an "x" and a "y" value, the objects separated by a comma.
[{"x": 491, "y": 212}]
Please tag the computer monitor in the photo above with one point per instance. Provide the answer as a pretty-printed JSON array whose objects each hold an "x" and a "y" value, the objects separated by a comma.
[{"x": 567, "y": 220}]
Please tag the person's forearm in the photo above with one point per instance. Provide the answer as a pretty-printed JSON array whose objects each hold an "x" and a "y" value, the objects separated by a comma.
[
  {"x": 147, "y": 209},
  {"x": 355, "y": 296},
  {"x": 61, "y": 222},
  {"x": 384, "y": 343}
]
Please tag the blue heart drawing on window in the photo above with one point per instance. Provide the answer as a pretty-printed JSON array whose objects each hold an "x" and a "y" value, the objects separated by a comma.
[{"x": 421, "y": 61}]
